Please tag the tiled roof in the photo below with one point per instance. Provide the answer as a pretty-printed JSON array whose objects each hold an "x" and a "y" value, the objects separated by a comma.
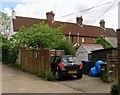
[
  {"x": 24, "y": 21},
  {"x": 111, "y": 32},
  {"x": 112, "y": 40},
  {"x": 91, "y": 47},
  {"x": 74, "y": 28},
  {"x": 94, "y": 31}
]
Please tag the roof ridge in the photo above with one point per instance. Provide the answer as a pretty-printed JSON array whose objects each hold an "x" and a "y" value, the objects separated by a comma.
[
  {"x": 59, "y": 21},
  {"x": 75, "y": 28},
  {"x": 30, "y": 17}
]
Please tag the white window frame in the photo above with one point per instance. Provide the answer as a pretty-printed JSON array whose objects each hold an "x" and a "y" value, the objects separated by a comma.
[{"x": 83, "y": 39}]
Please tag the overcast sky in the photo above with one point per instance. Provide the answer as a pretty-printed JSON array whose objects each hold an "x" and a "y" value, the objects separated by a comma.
[{"x": 66, "y": 10}]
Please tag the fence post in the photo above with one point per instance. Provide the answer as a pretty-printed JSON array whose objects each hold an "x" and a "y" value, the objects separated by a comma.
[
  {"x": 23, "y": 57},
  {"x": 118, "y": 42}
]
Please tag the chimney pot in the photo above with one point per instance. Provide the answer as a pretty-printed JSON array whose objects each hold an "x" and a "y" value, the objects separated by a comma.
[
  {"x": 102, "y": 23},
  {"x": 50, "y": 17},
  {"x": 79, "y": 20}
]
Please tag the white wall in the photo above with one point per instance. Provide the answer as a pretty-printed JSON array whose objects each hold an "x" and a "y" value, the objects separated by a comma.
[{"x": 82, "y": 54}]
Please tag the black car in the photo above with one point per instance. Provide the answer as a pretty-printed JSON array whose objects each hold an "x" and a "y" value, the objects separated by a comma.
[{"x": 66, "y": 65}]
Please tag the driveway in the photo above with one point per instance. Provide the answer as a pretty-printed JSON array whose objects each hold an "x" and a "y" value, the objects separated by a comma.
[
  {"x": 15, "y": 81},
  {"x": 87, "y": 84}
]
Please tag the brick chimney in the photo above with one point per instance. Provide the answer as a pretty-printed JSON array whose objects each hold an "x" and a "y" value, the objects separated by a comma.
[
  {"x": 102, "y": 23},
  {"x": 79, "y": 20},
  {"x": 50, "y": 17}
]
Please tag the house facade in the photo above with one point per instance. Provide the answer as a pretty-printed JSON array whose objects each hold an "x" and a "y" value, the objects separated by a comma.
[{"x": 74, "y": 32}]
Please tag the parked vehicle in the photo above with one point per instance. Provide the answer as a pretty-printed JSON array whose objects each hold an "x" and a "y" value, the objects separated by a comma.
[{"x": 66, "y": 65}]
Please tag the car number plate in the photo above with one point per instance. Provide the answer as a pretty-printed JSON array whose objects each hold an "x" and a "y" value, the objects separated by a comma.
[{"x": 72, "y": 72}]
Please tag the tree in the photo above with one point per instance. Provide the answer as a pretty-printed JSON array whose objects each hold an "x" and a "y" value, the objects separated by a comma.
[
  {"x": 39, "y": 35},
  {"x": 101, "y": 40},
  {"x": 4, "y": 24}
]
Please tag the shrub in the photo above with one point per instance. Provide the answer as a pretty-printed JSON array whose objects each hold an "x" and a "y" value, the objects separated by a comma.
[
  {"x": 114, "y": 88},
  {"x": 9, "y": 51},
  {"x": 9, "y": 55},
  {"x": 67, "y": 47}
]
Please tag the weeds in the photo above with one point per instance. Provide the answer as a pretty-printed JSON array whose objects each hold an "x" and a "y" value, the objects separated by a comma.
[
  {"x": 105, "y": 77},
  {"x": 50, "y": 76},
  {"x": 17, "y": 66},
  {"x": 114, "y": 88}
]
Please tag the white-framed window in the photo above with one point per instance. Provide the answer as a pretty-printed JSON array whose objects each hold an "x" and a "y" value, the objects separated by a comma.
[
  {"x": 83, "y": 40},
  {"x": 94, "y": 39}
]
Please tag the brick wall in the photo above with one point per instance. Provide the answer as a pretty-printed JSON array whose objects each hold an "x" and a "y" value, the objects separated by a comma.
[
  {"x": 75, "y": 40},
  {"x": 87, "y": 40}
]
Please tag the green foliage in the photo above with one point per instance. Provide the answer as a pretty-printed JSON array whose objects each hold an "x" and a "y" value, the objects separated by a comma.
[
  {"x": 9, "y": 53},
  {"x": 50, "y": 76},
  {"x": 101, "y": 40},
  {"x": 67, "y": 47},
  {"x": 114, "y": 88},
  {"x": 17, "y": 66},
  {"x": 39, "y": 35},
  {"x": 105, "y": 77}
]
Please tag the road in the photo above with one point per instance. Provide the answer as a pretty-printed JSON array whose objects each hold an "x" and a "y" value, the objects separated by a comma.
[{"x": 16, "y": 81}]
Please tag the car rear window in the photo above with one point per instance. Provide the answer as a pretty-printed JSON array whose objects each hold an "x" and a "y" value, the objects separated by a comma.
[{"x": 68, "y": 59}]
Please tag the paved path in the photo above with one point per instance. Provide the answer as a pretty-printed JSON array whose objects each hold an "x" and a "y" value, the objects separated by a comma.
[
  {"x": 88, "y": 85},
  {"x": 14, "y": 81}
]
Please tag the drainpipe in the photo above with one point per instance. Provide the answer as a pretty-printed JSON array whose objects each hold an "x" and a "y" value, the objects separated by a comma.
[
  {"x": 69, "y": 36},
  {"x": 78, "y": 37}
]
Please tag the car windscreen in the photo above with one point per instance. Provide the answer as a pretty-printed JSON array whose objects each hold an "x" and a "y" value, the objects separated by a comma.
[{"x": 68, "y": 59}]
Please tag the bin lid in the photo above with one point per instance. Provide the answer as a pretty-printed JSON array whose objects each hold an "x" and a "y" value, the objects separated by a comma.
[{"x": 86, "y": 61}]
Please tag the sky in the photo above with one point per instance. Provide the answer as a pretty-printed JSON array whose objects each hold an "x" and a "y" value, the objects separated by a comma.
[{"x": 92, "y": 11}]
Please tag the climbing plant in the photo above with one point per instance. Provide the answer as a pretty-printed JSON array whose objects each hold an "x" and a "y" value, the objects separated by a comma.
[{"x": 101, "y": 40}]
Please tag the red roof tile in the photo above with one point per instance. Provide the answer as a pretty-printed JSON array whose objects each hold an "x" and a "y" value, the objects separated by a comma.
[
  {"x": 24, "y": 21},
  {"x": 74, "y": 28}
]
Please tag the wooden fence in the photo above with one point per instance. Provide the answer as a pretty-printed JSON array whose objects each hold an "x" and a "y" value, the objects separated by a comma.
[
  {"x": 118, "y": 42},
  {"x": 112, "y": 66},
  {"x": 35, "y": 60}
]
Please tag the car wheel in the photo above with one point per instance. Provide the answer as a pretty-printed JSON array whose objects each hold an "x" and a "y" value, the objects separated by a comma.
[
  {"x": 79, "y": 76},
  {"x": 57, "y": 75}
]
